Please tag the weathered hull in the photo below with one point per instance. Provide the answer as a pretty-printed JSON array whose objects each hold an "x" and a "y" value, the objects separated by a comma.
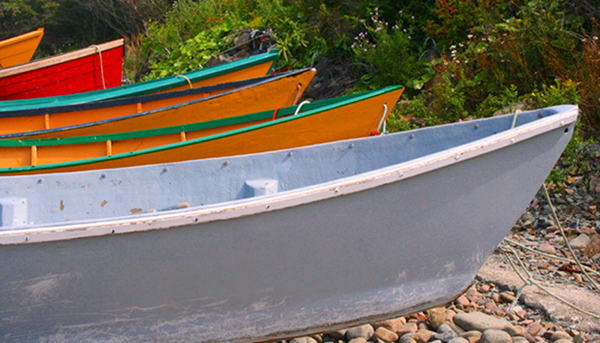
[
  {"x": 342, "y": 118},
  {"x": 151, "y": 112},
  {"x": 19, "y": 49},
  {"x": 247, "y": 68},
  {"x": 361, "y": 230},
  {"x": 93, "y": 68}
]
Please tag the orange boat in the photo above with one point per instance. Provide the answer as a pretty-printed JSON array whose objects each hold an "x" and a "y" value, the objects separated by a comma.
[
  {"x": 19, "y": 49},
  {"x": 158, "y": 110},
  {"x": 357, "y": 115}
]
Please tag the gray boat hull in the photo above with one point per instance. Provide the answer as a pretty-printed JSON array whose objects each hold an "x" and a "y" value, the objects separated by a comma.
[{"x": 398, "y": 247}]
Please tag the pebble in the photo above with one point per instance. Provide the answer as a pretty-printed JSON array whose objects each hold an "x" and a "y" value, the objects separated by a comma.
[
  {"x": 559, "y": 335},
  {"x": 463, "y": 301},
  {"x": 366, "y": 331},
  {"x": 303, "y": 340},
  {"x": 406, "y": 339},
  {"x": 479, "y": 321},
  {"x": 534, "y": 328},
  {"x": 563, "y": 340},
  {"x": 580, "y": 241},
  {"x": 444, "y": 328},
  {"x": 422, "y": 336},
  {"x": 473, "y": 333},
  {"x": 495, "y": 336},
  {"x": 547, "y": 248},
  {"x": 507, "y": 297},
  {"x": 458, "y": 340},
  {"x": 445, "y": 336},
  {"x": 407, "y": 328},
  {"x": 391, "y": 324},
  {"x": 386, "y": 335},
  {"x": 516, "y": 330},
  {"x": 358, "y": 340},
  {"x": 437, "y": 317}
]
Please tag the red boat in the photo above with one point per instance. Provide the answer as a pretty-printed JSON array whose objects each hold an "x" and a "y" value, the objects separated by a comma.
[{"x": 97, "y": 67}]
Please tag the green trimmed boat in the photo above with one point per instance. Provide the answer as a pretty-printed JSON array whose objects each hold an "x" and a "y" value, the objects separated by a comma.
[
  {"x": 247, "y": 68},
  {"x": 357, "y": 115}
]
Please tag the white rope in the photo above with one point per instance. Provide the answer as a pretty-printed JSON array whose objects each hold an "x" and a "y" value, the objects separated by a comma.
[
  {"x": 300, "y": 106},
  {"x": 101, "y": 65},
  {"x": 382, "y": 121},
  {"x": 515, "y": 119}
]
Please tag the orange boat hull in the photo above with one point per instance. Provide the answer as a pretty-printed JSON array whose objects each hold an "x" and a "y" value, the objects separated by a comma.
[
  {"x": 260, "y": 97},
  {"x": 20, "y": 49},
  {"x": 353, "y": 120}
]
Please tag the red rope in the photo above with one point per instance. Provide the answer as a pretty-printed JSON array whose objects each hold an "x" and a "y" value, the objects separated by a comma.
[{"x": 275, "y": 112}]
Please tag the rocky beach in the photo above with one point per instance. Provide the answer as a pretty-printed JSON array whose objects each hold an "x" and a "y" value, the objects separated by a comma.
[{"x": 532, "y": 289}]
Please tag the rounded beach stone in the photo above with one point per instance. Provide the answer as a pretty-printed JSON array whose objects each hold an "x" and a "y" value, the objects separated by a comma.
[
  {"x": 534, "y": 328},
  {"x": 444, "y": 328},
  {"x": 495, "y": 336},
  {"x": 386, "y": 335},
  {"x": 519, "y": 339},
  {"x": 472, "y": 333},
  {"x": 580, "y": 241},
  {"x": 560, "y": 335},
  {"x": 458, "y": 340},
  {"x": 391, "y": 324},
  {"x": 563, "y": 340},
  {"x": 339, "y": 334},
  {"x": 437, "y": 317},
  {"x": 516, "y": 330},
  {"x": 422, "y": 336},
  {"x": 479, "y": 321},
  {"x": 366, "y": 331},
  {"x": 358, "y": 340},
  {"x": 407, "y": 328},
  {"x": 445, "y": 336},
  {"x": 303, "y": 340},
  {"x": 407, "y": 338}
]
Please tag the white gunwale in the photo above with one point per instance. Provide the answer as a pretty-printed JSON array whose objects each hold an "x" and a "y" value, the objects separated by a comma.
[
  {"x": 291, "y": 198},
  {"x": 54, "y": 60}
]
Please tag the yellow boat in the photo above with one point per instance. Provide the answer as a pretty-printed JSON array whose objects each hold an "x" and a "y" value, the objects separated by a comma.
[
  {"x": 158, "y": 110},
  {"x": 19, "y": 49},
  {"x": 357, "y": 115}
]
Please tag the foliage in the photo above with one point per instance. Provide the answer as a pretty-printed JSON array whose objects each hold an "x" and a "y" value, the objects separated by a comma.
[
  {"x": 196, "y": 51},
  {"x": 389, "y": 54},
  {"x": 458, "y": 58}
]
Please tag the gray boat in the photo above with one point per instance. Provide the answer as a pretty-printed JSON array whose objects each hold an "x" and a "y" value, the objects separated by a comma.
[{"x": 271, "y": 245}]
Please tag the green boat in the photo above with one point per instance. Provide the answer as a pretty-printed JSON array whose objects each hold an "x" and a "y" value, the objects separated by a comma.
[
  {"x": 247, "y": 68},
  {"x": 352, "y": 116}
]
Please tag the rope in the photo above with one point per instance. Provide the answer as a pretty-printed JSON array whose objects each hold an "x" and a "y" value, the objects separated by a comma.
[
  {"x": 297, "y": 94},
  {"x": 555, "y": 257},
  {"x": 300, "y": 106},
  {"x": 532, "y": 281},
  {"x": 101, "y": 65},
  {"x": 275, "y": 112},
  {"x": 515, "y": 119},
  {"x": 566, "y": 240},
  {"x": 382, "y": 121},
  {"x": 188, "y": 80}
]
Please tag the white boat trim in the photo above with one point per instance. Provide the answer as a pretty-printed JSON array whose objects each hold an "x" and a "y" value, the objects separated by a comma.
[{"x": 332, "y": 189}]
